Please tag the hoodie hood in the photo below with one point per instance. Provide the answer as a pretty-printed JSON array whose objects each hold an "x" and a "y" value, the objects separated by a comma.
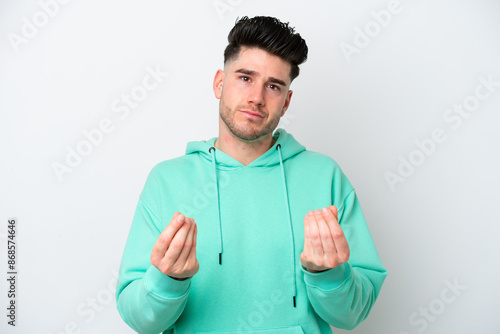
[
  {"x": 289, "y": 147},
  {"x": 285, "y": 147}
]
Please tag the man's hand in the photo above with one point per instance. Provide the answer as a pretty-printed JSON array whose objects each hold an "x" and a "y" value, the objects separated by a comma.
[
  {"x": 325, "y": 245},
  {"x": 174, "y": 253}
]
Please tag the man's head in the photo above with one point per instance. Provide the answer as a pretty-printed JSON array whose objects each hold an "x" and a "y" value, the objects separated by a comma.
[
  {"x": 270, "y": 35},
  {"x": 260, "y": 63}
]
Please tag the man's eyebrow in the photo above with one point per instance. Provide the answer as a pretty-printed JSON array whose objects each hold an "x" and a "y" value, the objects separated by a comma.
[
  {"x": 254, "y": 73},
  {"x": 278, "y": 81},
  {"x": 248, "y": 72}
]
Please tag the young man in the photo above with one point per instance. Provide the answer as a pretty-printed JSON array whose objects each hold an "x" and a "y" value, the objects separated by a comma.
[{"x": 249, "y": 231}]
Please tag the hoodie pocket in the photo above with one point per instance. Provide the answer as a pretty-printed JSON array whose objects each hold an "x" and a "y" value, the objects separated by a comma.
[{"x": 276, "y": 330}]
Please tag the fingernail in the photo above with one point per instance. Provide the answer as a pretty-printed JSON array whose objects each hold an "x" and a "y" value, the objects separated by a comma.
[
  {"x": 326, "y": 211},
  {"x": 180, "y": 218},
  {"x": 317, "y": 211},
  {"x": 310, "y": 213}
]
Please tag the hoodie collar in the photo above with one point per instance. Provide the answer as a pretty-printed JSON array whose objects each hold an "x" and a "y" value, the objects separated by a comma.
[{"x": 289, "y": 148}]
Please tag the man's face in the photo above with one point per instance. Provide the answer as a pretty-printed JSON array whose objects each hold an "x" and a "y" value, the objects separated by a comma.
[{"x": 254, "y": 93}]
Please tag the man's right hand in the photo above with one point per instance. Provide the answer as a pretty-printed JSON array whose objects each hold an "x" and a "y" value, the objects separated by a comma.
[{"x": 174, "y": 253}]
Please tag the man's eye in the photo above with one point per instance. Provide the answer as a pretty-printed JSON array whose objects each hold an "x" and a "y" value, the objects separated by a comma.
[
  {"x": 274, "y": 87},
  {"x": 245, "y": 78}
]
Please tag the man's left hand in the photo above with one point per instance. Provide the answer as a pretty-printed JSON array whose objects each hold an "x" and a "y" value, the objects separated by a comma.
[{"x": 325, "y": 245}]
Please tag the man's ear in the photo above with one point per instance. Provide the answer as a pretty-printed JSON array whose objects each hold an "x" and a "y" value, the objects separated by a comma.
[
  {"x": 287, "y": 102},
  {"x": 218, "y": 83}
]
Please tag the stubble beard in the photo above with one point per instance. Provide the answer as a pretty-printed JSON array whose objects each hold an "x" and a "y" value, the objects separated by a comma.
[{"x": 245, "y": 133}]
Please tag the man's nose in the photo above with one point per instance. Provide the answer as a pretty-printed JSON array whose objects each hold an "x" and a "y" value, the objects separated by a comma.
[{"x": 256, "y": 94}]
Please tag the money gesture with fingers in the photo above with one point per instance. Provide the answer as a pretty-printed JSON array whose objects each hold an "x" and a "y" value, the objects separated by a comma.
[
  {"x": 174, "y": 253},
  {"x": 325, "y": 245}
]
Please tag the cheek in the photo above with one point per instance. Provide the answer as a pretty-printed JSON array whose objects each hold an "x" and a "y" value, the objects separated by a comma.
[
  {"x": 232, "y": 94},
  {"x": 278, "y": 103}
]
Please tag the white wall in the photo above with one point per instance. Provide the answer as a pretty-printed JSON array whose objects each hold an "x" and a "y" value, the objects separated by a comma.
[{"x": 366, "y": 107}]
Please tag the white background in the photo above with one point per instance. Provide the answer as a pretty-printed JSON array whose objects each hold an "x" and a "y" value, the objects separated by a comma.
[{"x": 366, "y": 110}]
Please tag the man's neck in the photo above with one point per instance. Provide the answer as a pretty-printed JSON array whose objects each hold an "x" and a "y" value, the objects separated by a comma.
[{"x": 244, "y": 152}]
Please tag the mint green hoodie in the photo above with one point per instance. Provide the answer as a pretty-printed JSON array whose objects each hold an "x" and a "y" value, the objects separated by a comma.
[{"x": 250, "y": 237}]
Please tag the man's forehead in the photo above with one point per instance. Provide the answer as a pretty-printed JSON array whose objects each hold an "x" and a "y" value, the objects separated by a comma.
[{"x": 258, "y": 62}]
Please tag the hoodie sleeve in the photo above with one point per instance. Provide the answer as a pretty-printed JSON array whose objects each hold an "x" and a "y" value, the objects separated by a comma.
[
  {"x": 343, "y": 296},
  {"x": 148, "y": 300}
]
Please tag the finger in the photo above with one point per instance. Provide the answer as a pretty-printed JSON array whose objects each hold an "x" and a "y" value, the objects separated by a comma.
[
  {"x": 168, "y": 233},
  {"x": 334, "y": 210},
  {"x": 323, "y": 218},
  {"x": 165, "y": 238},
  {"x": 176, "y": 246},
  {"x": 186, "y": 248},
  {"x": 307, "y": 234},
  {"x": 192, "y": 262},
  {"x": 192, "y": 254},
  {"x": 342, "y": 247},
  {"x": 330, "y": 215},
  {"x": 331, "y": 218},
  {"x": 307, "y": 254},
  {"x": 315, "y": 234},
  {"x": 339, "y": 239}
]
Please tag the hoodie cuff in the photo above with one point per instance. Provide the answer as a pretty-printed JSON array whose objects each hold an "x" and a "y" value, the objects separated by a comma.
[
  {"x": 164, "y": 286},
  {"x": 329, "y": 279}
]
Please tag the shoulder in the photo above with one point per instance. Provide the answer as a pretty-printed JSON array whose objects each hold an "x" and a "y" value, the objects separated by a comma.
[
  {"x": 173, "y": 163},
  {"x": 317, "y": 159},
  {"x": 171, "y": 167},
  {"x": 322, "y": 164}
]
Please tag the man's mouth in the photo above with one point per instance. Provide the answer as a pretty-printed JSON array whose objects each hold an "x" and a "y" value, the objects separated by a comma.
[{"x": 252, "y": 114}]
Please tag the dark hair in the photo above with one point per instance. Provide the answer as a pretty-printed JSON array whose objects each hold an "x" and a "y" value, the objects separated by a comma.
[{"x": 271, "y": 35}]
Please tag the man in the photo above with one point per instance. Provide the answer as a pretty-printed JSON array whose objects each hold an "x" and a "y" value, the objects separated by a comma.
[{"x": 249, "y": 231}]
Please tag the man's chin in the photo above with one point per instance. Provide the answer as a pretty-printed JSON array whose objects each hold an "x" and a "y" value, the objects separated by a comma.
[
  {"x": 249, "y": 138},
  {"x": 247, "y": 130},
  {"x": 249, "y": 135}
]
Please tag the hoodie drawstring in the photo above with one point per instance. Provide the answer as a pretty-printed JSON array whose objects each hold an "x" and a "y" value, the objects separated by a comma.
[
  {"x": 292, "y": 240},
  {"x": 212, "y": 150}
]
